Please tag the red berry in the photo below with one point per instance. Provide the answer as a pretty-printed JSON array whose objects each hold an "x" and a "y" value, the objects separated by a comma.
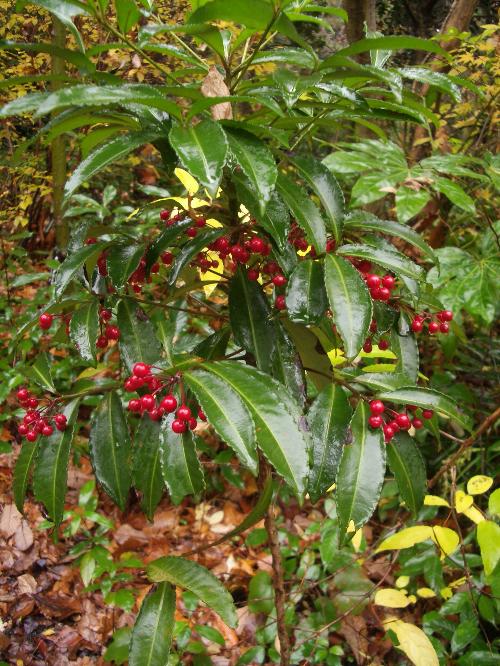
[
  {"x": 47, "y": 430},
  {"x": 364, "y": 266},
  {"x": 445, "y": 315},
  {"x": 271, "y": 268},
  {"x": 167, "y": 258},
  {"x": 23, "y": 394},
  {"x": 129, "y": 385},
  {"x": 169, "y": 403},
  {"x": 279, "y": 280},
  {"x": 373, "y": 326},
  {"x": 253, "y": 274},
  {"x": 102, "y": 265},
  {"x": 192, "y": 423},
  {"x": 148, "y": 402},
  {"x": 388, "y": 433},
  {"x": 32, "y": 403},
  {"x": 45, "y": 321},
  {"x": 384, "y": 294},
  {"x": 280, "y": 302},
  {"x": 141, "y": 369},
  {"x": 417, "y": 423},
  {"x": 155, "y": 268},
  {"x": 367, "y": 347},
  {"x": 383, "y": 345},
  {"x": 372, "y": 281},
  {"x": 222, "y": 244},
  {"x": 403, "y": 421},
  {"x": 154, "y": 383},
  {"x": 411, "y": 408},
  {"x": 191, "y": 232},
  {"x": 375, "y": 293},
  {"x": 416, "y": 325},
  {"x": 112, "y": 332},
  {"x": 134, "y": 405},
  {"x": 375, "y": 421},
  {"x": 183, "y": 413},
  {"x": 433, "y": 327},
  {"x": 102, "y": 342},
  {"x": 377, "y": 407},
  {"x": 30, "y": 417},
  {"x": 200, "y": 222},
  {"x": 444, "y": 327},
  {"x": 155, "y": 414},
  {"x": 91, "y": 241},
  {"x": 201, "y": 415},
  {"x": 257, "y": 244},
  {"x": 330, "y": 245},
  {"x": 105, "y": 314},
  {"x": 60, "y": 419},
  {"x": 427, "y": 413},
  {"x": 31, "y": 436},
  {"x": 61, "y": 426},
  {"x": 164, "y": 215},
  {"x": 178, "y": 426},
  {"x": 388, "y": 281},
  {"x": 22, "y": 429}
]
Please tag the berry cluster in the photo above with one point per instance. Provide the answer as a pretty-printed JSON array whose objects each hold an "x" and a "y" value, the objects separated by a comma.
[
  {"x": 400, "y": 420},
  {"x": 36, "y": 421},
  {"x": 438, "y": 325},
  {"x": 383, "y": 344},
  {"x": 108, "y": 331},
  {"x": 380, "y": 286},
  {"x": 156, "y": 406}
]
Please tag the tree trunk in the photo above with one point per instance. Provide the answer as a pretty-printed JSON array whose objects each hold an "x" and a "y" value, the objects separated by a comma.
[
  {"x": 58, "y": 146},
  {"x": 359, "y": 12}
]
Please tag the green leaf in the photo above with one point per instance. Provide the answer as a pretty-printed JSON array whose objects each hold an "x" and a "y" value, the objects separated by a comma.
[
  {"x": 65, "y": 11},
  {"x": 127, "y": 14},
  {"x": 72, "y": 264},
  {"x": 165, "y": 240},
  {"x": 325, "y": 185},
  {"x": 191, "y": 249},
  {"x": 40, "y": 373},
  {"x": 277, "y": 419},
  {"x": 180, "y": 466},
  {"x": 406, "y": 349},
  {"x": 287, "y": 365},
  {"x": 435, "y": 79},
  {"x": 367, "y": 221},
  {"x": 390, "y": 259},
  {"x": 202, "y": 151},
  {"x": 455, "y": 194},
  {"x": 146, "y": 469},
  {"x": 427, "y": 399},
  {"x": 488, "y": 538},
  {"x": 109, "y": 446},
  {"x": 122, "y": 260},
  {"x": 261, "y": 593},
  {"x": 138, "y": 341},
  {"x": 227, "y": 413},
  {"x": 198, "y": 580},
  {"x": 22, "y": 471},
  {"x": 117, "y": 651},
  {"x": 287, "y": 56},
  {"x": 51, "y": 466},
  {"x": 210, "y": 634},
  {"x": 361, "y": 472},
  {"x": 328, "y": 418},
  {"x": 305, "y": 295},
  {"x": 257, "y": 163},
  {"x": 409, "y": 202},
  {"x": 304, "y": 210},
  {"x": 465, "y": 633},
  {"x": 350, "y": 302},
  {"x": 408, "y": 467},
  {"x": 105, "y": 154},
  {"x": 390, "y": 43},
  {"x": 84, "y": 329},
  {"x": 255, "y": 16},
  {"x": 250, "y": 318},
  {"x": 292, "y": 85},
  {"x": 152, "y": 632}
]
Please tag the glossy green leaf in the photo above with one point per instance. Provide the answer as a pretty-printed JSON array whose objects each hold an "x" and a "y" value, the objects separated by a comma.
[
  {"x": 287, "y": 56},
  {"x": 198, "y": 580},
  {"x": 65, "y": 11},
  {"x": 39, "y": 372},
  {"x": 292, "y": 86},
  {"x": 350, "y": 303},
  {"x": 106, "y": 154},
  {"x": 435, "y": 79},
  {"x": 465, "y": 632},
  {"x": 407, "y": 465},
  {"x": 361, "y": 472},
  {"x": 84, "y": 329},
  {"x": 127, "y": 14},
  {"x": 165, "y": 240},
  {"x": 122, "y": 260},
  {"x": 367, "y": 221},
  {"x": 277, "y": 418},
  {"x": 227, "y": 413},
  {"x": 455, "y": 194},
  {"x": 304, "y": 210},
  {"x": 488, "y": 538},
  {"x": 328, "y": 418},
  {"x": 325, "y": 185},
  {"x": 202, "y": 151},
  {"x": 250, "y": 317},
  {"x": 50, "y": 473},
  {"x": 390, "y": 43},
  {"x": 255, "y": 16},
  {"x": 191, "y": 249},
  {"x": 109, "y": 446},
  {"x": 389, "y": 259},
  {"x": 22, "y": 470},
  {"x": 406, "y": 349},
  {"x": 257, "y": 163},
  {"x": 409, "y": 202},
  {"x": 146, "y": 468},
  {"x": 287, "y": 366},
  {"x": 305, "y": 295},
  {"x": 427, "y": 399},
  {"x": 138, "y": 341},
  {"x": 72, "y": 264},
  {"x": 180, "y": 466},
  {"x": 152, "y": 632}
]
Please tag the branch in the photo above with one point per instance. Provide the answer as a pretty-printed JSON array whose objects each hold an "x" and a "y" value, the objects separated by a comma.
[{"x": 485, "y": 425}]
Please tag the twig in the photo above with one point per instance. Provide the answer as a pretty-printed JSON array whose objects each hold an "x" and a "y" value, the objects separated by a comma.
[{"x": 485, "y": 425}]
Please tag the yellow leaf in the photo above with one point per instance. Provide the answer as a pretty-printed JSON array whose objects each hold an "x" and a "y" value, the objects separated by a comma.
[
  {"x": 402, "y": 581},
  {"x": 377, "y": 353},
  {"x": 413, "y": 642},
  {"x": 446, "y": 539},
  {"x": 391, "y": 598},
  {"x": 331, "y": 488},
  {"x": 474, "y": 514},
  {"x": 446, "y": 592},
  {"x": 458, "y": 582},
  {"x": 351, "y": 527},
  {"x": 425, "y": 592},
  {"x": 463, "y": 501},
  {"x": 356, "y": 539},
  {"x": 211, "y": 222},
  {"x": 477, "y": 485},
  {"x": 211, "y": 274},
  {"x": 434, "y": 500},
  {"x": 412, "y": 598},
  {"x": 187, "y": 180},
  {"x": 406, "y": 538}
]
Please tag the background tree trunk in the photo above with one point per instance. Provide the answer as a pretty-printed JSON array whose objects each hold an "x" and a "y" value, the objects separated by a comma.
[
  {"x": 58, "y": 146},
  {"x": 360, "y": 12}
]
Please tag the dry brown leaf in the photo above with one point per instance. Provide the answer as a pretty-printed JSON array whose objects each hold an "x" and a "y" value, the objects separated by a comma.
[
  {"x": 214, "y": 86},
  {"x": 10, "y": 520},
  {"x": 26, "y": 584},
  {"x": 354, "y": 630},
  {"x": 23, "y": 537}
]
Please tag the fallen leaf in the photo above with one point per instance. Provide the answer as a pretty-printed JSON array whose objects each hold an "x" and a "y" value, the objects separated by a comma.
[
  {"x": 10, "y": 520},
  {"x": 214, "y": 86},
  {"x": 23, "y": 537}
]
